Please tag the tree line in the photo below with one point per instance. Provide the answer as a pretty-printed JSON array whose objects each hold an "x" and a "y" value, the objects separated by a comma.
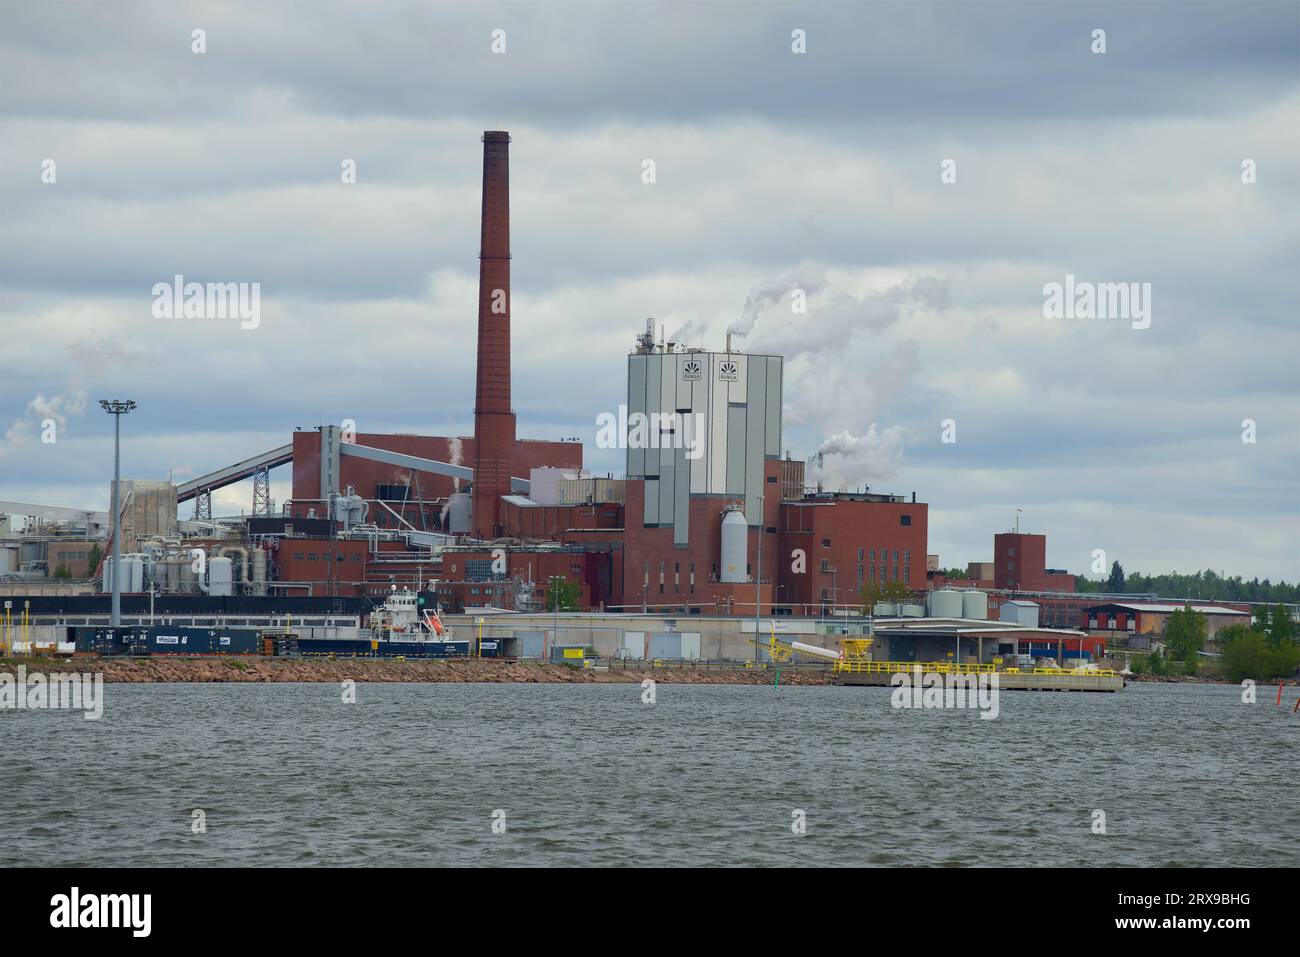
[
  {"x": 1267, "y": 648},
  {"x": 1205, "y": 585}
]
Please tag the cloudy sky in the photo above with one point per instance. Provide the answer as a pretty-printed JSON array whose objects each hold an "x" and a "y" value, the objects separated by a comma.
[{"x": 819, "y": 171}]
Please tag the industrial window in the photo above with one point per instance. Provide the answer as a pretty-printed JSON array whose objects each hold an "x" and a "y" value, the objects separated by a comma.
[
  {"x": 860, "y": 552},
  {"x": 907, "y": 573},
  {"x": 895, "y": 556},
  {"x": 297, "y": 556},
  {"x": 873, "y": 554},
  {"x": 826, "y": 565},
  {"x": 771, "y": 480},
  {"x": 873, "y": 572},
  {"x": 905, "y": 520},
  {"x": 1011, "y": 551},
  {"x": 895, "y": 573},
  {"x": 826, "y": 543},
  {"x": 311, "y": 556},
  {"x": 861, "y": 573},
  {"x": 907, "y": 554}
]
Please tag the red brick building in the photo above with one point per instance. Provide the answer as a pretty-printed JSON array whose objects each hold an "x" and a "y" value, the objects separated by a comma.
[
  {"x": 849, "y": 541},
  {"x": 1020, "y": 564}
]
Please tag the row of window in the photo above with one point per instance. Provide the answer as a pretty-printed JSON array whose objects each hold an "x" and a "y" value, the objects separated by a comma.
[
  {"x": 677, "y": 576},
  {"x": 326, "y": 556},
  {"x": 884, "y": 554}
]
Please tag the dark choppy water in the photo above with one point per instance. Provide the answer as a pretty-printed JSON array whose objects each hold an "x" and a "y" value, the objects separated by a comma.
[{"x": 411, "y": 774}]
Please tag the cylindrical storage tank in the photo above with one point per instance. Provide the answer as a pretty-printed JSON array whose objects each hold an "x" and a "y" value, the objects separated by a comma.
[
  {"x": 974, "y": 604},
  {"x": 913, "y": 611},
  {"x": 885, "y": 609},
  {"x": 133, "y": 573},
  {"x": 259, "y": 571},
  {"x": 735, "y": 547},
  {"x": 221, "y": 577},
  {"x": 128, "y": 576},
  {"x": 458, "y": 513},
  {"x": 945, "y": 603},
  {"x": 186, "y": 577}
]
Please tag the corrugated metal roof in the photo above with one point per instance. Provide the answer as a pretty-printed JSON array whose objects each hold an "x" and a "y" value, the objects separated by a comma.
[
  {"x": 1203, "y": 609},
  {"x": 518, "y": 500}
]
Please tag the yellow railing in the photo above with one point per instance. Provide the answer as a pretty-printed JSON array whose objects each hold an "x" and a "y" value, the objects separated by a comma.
[{"x": 860, "y": 667}]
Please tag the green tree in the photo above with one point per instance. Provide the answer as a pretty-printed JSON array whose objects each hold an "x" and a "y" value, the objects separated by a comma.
[
  {"x": 874, "y": 592},
  {"x": 562, "y": 594},
  {"x": 1115, "y": 583},
  {"x": 92, "y": 559},
  {"x": 1262, "y": 618},
  {"x": 1281, "y": 627},
  {"x": 1185, "y": 634},
  {"x": 1249, "y": 654},
  {"x": 63, "y": 571}
]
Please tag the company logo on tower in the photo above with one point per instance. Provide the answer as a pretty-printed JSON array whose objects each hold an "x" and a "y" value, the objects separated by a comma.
[
  {"x": 728, "y": 371},
  {"x": 692, "y": 371}
]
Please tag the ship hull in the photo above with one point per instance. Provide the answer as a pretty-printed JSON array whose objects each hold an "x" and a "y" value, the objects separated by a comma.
[{"x": 363, "y": 648}]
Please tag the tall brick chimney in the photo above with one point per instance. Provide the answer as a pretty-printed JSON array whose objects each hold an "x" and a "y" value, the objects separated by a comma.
[{"x": 494, "y": 422}]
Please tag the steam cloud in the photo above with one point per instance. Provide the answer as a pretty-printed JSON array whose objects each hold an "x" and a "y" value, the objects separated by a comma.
[{"x": 849, "y": 460}]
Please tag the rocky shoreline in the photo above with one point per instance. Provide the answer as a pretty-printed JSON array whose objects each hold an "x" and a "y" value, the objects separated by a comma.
[
  {"x": 235, "y": 669},
  {"x": 1204, "y": 680}
]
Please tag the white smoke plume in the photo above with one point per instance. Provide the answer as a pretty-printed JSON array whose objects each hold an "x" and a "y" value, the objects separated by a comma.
[
  {"x": 56, "y": 408},
  {"x": 455, "y": 452},
  {"x": 767, "y": 294},
  {"x": 846, "y": 461}
]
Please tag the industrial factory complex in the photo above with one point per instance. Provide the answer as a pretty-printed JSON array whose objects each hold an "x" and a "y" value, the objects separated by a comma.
[{"x": 710, "y": 539}]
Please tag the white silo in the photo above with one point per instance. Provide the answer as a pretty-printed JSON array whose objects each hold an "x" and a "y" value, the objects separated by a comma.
[
  {"x": 974, "y": 604},
  {"x": 259, "y": 571},
  {"x": 133, "y": 570},
  {"x": 735, "y": 546},
  {"x": 129, "y": 579},
  {"x": 945, "y": 603},
  {"x": 186, "y": 576},
  {"x": 221, "y": 577},
  {"x": 458, "y": 513}
]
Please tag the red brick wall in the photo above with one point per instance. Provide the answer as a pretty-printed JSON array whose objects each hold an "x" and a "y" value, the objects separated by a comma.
[
  {"x": 1020, "y": 564},
  {"x": 848, "y": 526}
]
